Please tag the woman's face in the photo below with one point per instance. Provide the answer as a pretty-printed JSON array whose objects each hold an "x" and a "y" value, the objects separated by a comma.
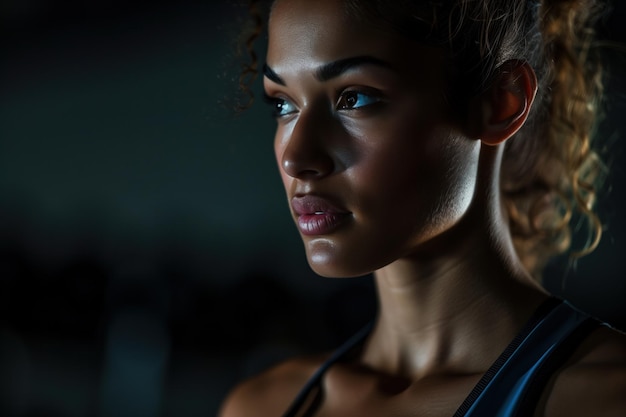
[{"x": 372, "y": 161}]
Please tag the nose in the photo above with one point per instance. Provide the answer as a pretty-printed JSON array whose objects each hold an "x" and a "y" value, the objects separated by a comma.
[{"x": 307, "y": 149}]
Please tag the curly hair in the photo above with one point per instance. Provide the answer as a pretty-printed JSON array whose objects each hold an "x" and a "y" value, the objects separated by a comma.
[{"x": 550, "y": 172}]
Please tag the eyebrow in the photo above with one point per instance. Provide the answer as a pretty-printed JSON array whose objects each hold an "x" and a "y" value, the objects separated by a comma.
[
  {"x": 269, "y": 73},
  {"x": 336, "y": 68},
  {"x": 333, "y": 69}
]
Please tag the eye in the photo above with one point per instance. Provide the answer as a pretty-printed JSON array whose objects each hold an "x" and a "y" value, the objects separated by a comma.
[
  {"x": 350, "y": 100},
  {"x": 280, "y": 106}
]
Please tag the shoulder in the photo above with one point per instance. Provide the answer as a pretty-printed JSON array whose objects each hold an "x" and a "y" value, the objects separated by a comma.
[
  {"x": 593, "y": 382},
  {"x": 271, "y": 392}
]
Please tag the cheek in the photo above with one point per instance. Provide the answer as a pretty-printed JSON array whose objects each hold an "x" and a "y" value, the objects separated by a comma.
[
  {"x": 395, "y": 157},
  {"x": 452, "y": 188},
  {"x": 422, "y": 185},
  {"x": 463, "y": 176}
]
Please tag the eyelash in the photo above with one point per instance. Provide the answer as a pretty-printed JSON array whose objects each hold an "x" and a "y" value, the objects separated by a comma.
[
  {"x": 371, "y": 99},
  {"x": 276, "y": 105}
]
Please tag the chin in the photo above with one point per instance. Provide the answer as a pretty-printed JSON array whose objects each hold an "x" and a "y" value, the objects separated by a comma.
[
  {"x": 326, "y": 260},
  {"x": 332, "y": 271}
]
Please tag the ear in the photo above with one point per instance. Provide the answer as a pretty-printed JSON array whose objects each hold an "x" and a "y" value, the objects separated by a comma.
[{"x": 507, "y": 103}]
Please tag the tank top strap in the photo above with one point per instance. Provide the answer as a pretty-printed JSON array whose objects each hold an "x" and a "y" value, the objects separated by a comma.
[
  {"x": 513, "y": 384},
  {"x": 316, "y": 378}
]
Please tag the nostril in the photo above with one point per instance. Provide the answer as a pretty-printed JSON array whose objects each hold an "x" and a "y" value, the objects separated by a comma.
[
  {"x": 310, "y": 174},
  {"x": 308, "y": 168}
]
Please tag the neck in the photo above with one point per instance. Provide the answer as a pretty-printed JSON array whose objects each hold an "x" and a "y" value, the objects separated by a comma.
[{"x": 466, "y": 293}]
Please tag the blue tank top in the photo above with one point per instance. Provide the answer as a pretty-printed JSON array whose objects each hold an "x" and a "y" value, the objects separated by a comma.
[{"x": 513, "y": 384}]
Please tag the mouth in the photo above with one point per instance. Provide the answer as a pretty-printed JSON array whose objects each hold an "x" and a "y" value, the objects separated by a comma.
[{"x": 317, "y": 215}]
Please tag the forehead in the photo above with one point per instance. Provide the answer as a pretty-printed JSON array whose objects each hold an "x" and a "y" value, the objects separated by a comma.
[
  {"x": 308, "y": 33},
  {"x": 303, "y": 27}
]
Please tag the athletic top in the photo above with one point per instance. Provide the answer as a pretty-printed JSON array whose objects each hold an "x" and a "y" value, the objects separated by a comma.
[{"x": 513, "y": 384}]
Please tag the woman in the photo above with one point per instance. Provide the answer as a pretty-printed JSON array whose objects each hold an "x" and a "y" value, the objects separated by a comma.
[{"x": 435, "y": 144}]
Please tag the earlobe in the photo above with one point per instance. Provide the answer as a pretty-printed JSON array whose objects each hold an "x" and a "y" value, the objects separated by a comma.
[{"x": 506, "y": 105}]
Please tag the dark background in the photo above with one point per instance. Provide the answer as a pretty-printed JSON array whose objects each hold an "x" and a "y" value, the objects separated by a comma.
[{"x": 147, "y": 258}]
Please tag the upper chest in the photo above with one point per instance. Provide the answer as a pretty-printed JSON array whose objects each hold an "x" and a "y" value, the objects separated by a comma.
[{"x": 348, "y": 392}]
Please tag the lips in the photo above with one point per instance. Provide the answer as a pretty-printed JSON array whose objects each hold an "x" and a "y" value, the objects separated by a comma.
[{"x": 317, "y": 215}]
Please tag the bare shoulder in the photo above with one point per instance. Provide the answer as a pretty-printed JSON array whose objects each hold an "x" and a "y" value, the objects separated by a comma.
[
  {"x": 593, "y": 383},
  {"x": 271, "y": 392}
]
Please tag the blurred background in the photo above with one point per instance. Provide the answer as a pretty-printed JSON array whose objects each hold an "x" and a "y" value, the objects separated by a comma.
[{"x": 147, "y": 257}]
